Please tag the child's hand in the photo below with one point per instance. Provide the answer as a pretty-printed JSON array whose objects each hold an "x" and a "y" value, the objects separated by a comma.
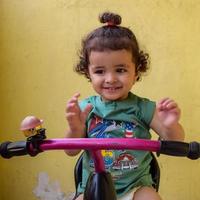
[
  {"x": 165, "y": 121},
  {"x": 168, "y": 112},
  {"x": 75, "y": 117}
]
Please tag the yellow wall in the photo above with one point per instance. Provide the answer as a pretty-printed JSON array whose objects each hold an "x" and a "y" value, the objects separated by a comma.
[{"x": 38, "y": 45}]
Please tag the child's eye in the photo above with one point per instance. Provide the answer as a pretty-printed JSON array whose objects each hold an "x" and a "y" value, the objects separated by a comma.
[
  {"x": 121, "y": 70},
  {"x": 99, "y": 71}
]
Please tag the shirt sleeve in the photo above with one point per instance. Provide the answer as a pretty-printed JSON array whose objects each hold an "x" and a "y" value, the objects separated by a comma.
[
  {"x": 83, "y": 103},
  {"x": 147, "y": 110}
]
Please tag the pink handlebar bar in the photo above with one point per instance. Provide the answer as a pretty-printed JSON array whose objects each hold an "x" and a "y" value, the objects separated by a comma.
[{"x": 101, "y": 143}]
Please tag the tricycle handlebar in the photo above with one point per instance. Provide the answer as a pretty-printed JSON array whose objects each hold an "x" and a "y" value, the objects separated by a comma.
[{"x": 173, "y": 148}]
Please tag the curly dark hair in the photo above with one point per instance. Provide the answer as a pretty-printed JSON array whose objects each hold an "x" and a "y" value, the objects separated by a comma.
[{"x": 111, "y": 36}]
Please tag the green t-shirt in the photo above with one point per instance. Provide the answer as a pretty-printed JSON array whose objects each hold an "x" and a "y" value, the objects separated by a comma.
[{"x": 120, "y": 119}]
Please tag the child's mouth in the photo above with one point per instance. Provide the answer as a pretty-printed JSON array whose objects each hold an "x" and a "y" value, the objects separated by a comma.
[{"x": 112, "y": 89}]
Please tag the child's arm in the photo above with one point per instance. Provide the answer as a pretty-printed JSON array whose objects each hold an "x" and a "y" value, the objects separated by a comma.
[
  {"x": 165, "y": 121},
  {"x": 76, "y": 121}
]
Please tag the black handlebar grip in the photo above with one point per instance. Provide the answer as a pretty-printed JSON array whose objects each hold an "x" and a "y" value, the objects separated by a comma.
[
  {"x": 174, "y": 148},
  {"x": 10, "y": 149},
  {"x": 194, "y": 150}
]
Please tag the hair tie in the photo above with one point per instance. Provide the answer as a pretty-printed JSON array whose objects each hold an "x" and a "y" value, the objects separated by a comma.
[{"x": 111, "y": 24}]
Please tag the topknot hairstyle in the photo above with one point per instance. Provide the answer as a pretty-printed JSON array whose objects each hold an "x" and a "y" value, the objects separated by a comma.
[
  {"x": 110, "y": 19},
  {"x": 111, "y": 36}
]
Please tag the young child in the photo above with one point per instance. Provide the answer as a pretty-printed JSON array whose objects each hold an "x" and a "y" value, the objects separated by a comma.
[{"x": 112, "y": 61}]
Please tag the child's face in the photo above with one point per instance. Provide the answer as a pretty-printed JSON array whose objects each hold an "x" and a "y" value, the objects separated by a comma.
[{"x": 112, "y": 73}]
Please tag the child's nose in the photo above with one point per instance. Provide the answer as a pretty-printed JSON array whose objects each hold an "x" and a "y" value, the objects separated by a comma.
[{"x": 111, "y": 78}]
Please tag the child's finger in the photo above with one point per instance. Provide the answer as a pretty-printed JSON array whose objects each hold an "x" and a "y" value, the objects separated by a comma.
[
  {"x": 171, "y": 105},
  {"x": 163, "y": 100},
  {"x": 72, "y": 107},
  {"x": 70, "y": 116},
  {"x": 175, "y": 110},
  {"x": 167, "y": 103},
  {"x": 69, "y": 106},
  {"x": 72, "y": 103},
  {"x": 76, "y": 95},
  {"x": 74, "y": 98}
]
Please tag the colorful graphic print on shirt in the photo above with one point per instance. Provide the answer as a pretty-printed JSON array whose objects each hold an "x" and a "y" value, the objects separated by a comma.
[{"x": 119, "y": 159}]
